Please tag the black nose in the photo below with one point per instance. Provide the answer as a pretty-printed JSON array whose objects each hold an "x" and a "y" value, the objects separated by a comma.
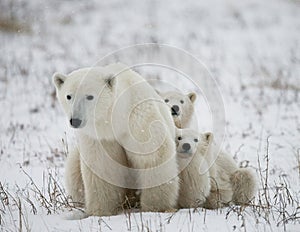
[
  {"x": 186, "y": 146},
  {"x": 75, "y": 122},
  {"x": 175, "y": 109}
]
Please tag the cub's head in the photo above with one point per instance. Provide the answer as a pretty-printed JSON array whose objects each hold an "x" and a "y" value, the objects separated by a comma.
[
  {"x": 188, "y": 142},
  {"x": 83, "y": 94},
  {"x": 181, "y": 106}
]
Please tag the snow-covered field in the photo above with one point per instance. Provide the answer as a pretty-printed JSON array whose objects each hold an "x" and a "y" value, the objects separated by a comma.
[{"x": 252, "y": 48}]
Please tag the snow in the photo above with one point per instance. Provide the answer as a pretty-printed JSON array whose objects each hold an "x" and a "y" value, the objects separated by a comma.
[{"x": 251, "y": 49}]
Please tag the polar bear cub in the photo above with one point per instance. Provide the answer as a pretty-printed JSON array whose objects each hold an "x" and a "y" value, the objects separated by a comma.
[
  {"x": 181, "y": 106},
  {"x": 228, "y": 183},
  {"x": 192, "y": 149},
  {"x": 114, "y": 113}
]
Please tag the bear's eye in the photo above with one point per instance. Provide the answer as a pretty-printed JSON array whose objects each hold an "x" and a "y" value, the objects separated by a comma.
[
  {"x": 181, "y": 101},
  {"x": 90, "y": 97},
  {"x": 196, "y": 140},
  {"x": 69, "y": 97},
  {"x": 179, "y": 138},
  {"x": 166, "y": 100}
]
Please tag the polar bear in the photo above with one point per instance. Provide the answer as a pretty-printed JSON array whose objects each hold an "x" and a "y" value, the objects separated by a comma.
[
  {"x": 228, "y": 183},
  {"x": 244, "y": 185},
  {"x": 73, "y": 175},
  {"x": 115, "y": 114},
  {"x": 220, "y": 171},
  {"x": 192, "y": 149},
  {"x": 181, "y": 105}
]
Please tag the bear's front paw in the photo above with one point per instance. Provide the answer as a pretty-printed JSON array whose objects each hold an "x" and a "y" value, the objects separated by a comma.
[{"x": 75, "y": 214}]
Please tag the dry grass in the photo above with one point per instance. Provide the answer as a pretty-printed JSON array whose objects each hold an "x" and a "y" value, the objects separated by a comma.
[
  {"x": 275, "y": 202},
  {"x": 8, "y": 25},
  {"x": 15, "y": 16}
]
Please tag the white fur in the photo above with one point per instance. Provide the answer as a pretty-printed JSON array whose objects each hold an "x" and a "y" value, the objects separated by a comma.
[
  {"x": 229, "y": 184},
  {"x": 75, "y": 214},
  {"x": 185, "y": 103},
  {"x": 120, "y": 121},
  {"x": 195, "y": 182},
  {"x": 244, "y": 186},
  {"x": 73, "y": 178},
  {"x": 221, "y": 187}
]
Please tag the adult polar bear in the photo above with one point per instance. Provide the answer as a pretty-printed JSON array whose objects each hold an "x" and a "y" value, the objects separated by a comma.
[{"x": 114, "y": 105}]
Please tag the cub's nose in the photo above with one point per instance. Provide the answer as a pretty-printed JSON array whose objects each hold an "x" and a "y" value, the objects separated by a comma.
[
  {"x": 175, "y": 109},
  {"x": 186, "y": 146},
  {"x": 75, "y": 122}
]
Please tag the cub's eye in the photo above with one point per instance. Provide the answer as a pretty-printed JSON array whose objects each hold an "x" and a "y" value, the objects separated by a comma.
[
  {"x": 69, "y": 97},
  {"x": 166, "y": 100},
  {"x": 90, "y": 97},
  {"x": 181, "y": 101},
  {"x": 179, "y": 138},
  {"x": 196, "y": 140}
]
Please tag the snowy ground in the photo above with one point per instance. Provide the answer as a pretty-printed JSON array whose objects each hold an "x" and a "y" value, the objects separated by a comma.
[{"x": 250, "y": 47}]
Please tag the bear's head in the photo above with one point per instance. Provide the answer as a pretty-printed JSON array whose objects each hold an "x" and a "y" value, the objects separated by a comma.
[
  {"x": 181, "y": 106},
  {"x": 188, "y": 142},
  {"x": 83, "y": 94}
]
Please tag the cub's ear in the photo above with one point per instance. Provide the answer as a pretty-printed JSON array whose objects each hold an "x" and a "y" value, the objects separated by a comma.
[
  {"x": 192, "y": 96},
  {"x": 58, "y": 79},
  {"x": 209, "y": 137}
]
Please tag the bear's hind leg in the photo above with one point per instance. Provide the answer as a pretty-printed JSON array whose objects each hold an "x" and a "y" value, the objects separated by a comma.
[
  {"x": 244, "y": 186},
  {"x": 218, "y": 198}
]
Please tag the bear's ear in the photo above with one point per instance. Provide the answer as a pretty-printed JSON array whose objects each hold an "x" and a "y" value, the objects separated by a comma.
[
  {"x": 110, "y": 81},
  {"x": 209, "y": 137},
  {"x": 58, "y": 79},
  {"x": 192, "y": 96}
]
